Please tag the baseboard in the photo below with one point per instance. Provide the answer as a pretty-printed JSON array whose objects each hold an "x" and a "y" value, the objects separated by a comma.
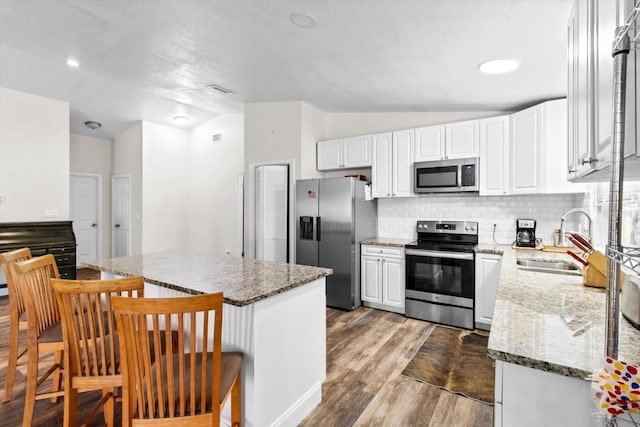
[{"x": 300, "y": 409}]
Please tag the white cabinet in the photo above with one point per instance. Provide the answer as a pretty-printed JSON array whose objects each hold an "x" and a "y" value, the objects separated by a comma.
[
  {"x": 449, "y": 141},
  {"x": 347, "y": 153},
  {"x": 538, "y": 158},
  {"x": 383, "y": 277},
  {"x": 494, "y": 156},
  {"x": 487, "y": 279},
  {"x": 392, "y": 164}
]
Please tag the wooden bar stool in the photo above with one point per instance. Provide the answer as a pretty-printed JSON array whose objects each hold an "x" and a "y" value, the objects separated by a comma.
[
  {"x": 17, "y": 314},
  {"x": 92, "y": 359},
  {"x": 44, "y": 332},
  {"x": 188, "y": 385}
]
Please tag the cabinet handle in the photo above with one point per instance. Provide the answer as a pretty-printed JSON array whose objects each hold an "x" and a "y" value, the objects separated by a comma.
[
  {"x": 571, "y": 171},
  {"x": 588, "y": 161}
]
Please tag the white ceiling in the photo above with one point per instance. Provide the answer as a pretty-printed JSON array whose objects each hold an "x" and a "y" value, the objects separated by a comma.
[{"x": 152, "y": 59}]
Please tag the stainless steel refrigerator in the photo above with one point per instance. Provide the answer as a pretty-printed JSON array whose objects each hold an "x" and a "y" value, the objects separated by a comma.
[{"x": 332, "y": 218}]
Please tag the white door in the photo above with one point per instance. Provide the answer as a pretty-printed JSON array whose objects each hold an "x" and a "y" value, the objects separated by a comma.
[
  {"x": 429, "y": 143},
  {"x": 371, "y": 279},
  {"x": 329, "y": 154},
  {"x": 85, "y": 198},
  {"x": 356, "y": 152},
  {"x": 381, "y": 164},
  {"x": 494, "y": 156},
  {"x": 525, "y": 144},
  {"x": 272, "y": 208},
  {"x": 393, "y": 282},
  {"x": 403, "y": 163},
  {"x": 120, "y": 215},
  {"x": 462, "y": 140}
]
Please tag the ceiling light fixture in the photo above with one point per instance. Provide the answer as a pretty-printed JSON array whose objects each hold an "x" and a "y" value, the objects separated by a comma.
[
  {"x": 73, "y": 63},
  {"x": 219, "y": 89},
  {"x": 303, "y": 20},
  {"x": 498, "y": 66},
  {"x": 181, "y": 120},
  {"x": 93, "y": 125}
]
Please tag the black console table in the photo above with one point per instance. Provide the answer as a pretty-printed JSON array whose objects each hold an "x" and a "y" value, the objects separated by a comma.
[{"x": 46, "y": 237}]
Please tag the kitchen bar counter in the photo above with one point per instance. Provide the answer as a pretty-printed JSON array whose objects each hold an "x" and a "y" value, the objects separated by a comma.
[
  {"x": 552, "y": 322},
  {"x": 243, "y": 280},
  {"x": 275, "y": 313}
]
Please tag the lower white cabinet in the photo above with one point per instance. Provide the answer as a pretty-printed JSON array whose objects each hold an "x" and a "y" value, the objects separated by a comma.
[
  {"x": 487, "y": 278},
  {"x": 382, "y": 276}
]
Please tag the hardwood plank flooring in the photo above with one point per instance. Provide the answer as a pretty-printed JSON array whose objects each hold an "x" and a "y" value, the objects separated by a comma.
[{"x": 367, "y": 350}]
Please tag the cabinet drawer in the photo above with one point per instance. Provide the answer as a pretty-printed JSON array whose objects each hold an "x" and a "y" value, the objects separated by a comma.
[
  {"x": 68, "y": 273},
  {"x": 65, "y": 259},
  {"x": 388, "y": 251},
  {"x": 63, "y": 250}
]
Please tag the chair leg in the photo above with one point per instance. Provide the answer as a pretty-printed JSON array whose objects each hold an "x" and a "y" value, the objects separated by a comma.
[
  {"x": 70, "y": 405},
  {"x": 57, "y": 376},
  {"x": 12, "y": 363},
  {"x": 31, "y": 388},
  {"x": 236, "y": 402}
]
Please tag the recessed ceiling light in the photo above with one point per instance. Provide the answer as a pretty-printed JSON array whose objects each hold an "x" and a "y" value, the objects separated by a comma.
[
  {"x": 303, "y": 20},
  {"x": 93, "y": 125},
  {"x": 498, "y": 66},
  {"x": 220, "y": 89},
  {"x": 73, "y": 63},
  {"x": 181, "y": 120}
]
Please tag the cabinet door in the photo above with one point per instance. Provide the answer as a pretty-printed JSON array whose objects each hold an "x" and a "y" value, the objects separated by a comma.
[
  {"x": 429, "y": 144},
  {"x": 403, "y": 163},
  {"x": 371, "y": 280},
  {"x": 604, "y": 20},
  {"x": 572, "y": 99},
  {"x": 393, "y": 282},
  {"x": 487, "y": 279},
  {"x": 584, "y": 133},
  {"x": 357, "y": 152},
  {"x": 462, "y": 139},
  {"x": 494, "y": 156},
  {"x": 381, "y": 165},
  {"x": 525, "y": 147},
  {"x": 329, "y": 154}
]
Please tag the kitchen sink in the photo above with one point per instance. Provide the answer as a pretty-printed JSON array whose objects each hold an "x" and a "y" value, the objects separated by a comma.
[{"x": 557, "y": 267}]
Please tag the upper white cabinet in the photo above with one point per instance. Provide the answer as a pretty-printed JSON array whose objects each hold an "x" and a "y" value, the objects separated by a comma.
[
  {"x": 494, "y": 156},
  {"x": 449, "y": 141},
  {"x": 347, "y": 153},
  {"x": 538, "y": 155},
  {"x": 392, "y": 164},
  {"x": 590, "y": 34}
]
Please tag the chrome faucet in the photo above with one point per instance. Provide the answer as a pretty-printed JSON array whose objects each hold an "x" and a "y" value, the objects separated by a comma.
[{"x": 576, "y": 210}]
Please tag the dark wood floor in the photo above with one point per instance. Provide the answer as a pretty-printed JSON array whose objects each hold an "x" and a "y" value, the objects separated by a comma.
[{"x": 366, "y": 352}]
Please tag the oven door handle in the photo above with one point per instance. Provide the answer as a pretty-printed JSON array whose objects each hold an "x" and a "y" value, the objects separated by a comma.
[{"x": 440, "y": 254}]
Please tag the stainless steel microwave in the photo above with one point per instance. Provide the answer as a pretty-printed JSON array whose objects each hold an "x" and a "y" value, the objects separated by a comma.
[{"x": 446, "y": 176}]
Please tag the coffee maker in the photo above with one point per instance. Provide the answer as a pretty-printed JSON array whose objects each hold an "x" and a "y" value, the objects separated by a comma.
[{"x": 526, "y": 233}]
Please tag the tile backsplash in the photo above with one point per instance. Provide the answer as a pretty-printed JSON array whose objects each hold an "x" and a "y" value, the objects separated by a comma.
[{"x": 397, "y": 217}]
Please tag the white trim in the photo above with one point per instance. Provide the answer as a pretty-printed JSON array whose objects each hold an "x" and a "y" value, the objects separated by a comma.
[
  {"x": 240, "y": 216},
  {"x": 252, "y": 206},
  {"x": 303, "y": 407},
  {"x": 100, "y": 197},
  {"x": 113, "y": 178}
]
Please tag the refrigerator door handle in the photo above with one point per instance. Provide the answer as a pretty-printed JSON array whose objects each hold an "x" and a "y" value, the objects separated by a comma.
[{"x": 318, "y": 229}]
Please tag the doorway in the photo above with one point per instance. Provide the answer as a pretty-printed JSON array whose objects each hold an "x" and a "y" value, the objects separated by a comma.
[
  {"x": 86, "y": 214},
  {"x": 120, "y": 215}
]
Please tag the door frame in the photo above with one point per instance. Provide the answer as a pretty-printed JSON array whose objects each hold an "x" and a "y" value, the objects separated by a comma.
[
  {"x": 113, "y": 231},
  {"x": 291, "y": 163},
  {"x": 100, "y": 207}
]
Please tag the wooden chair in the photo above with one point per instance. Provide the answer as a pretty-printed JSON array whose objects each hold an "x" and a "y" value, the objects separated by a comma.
[
  {"x": 17, "y": 315},
  {"x": 90, "y": 342},
  {"x": 185, "y": 387},
  {"x": 44, "y": 332}
]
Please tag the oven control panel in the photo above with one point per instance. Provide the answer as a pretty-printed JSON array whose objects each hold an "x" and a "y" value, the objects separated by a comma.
[{"x": 450, "y": 227}]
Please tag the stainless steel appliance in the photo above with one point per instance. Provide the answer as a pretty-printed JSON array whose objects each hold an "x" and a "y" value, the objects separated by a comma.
[
  {"x": 630, "y": 299},
  {"x": 440, "y": 273},
  {"x": 333, "y": 217},
  {"x": 446, "y": 176},
  {"x": 526, "y": 233}
]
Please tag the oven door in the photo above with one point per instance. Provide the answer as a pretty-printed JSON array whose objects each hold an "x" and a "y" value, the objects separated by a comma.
[{"x": 440, "y": 273}]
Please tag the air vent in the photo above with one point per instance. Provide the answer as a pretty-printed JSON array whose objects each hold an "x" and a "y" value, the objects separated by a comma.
[
  {"x": 220, "y": 89},
  {"x": 216, "y": 138}
]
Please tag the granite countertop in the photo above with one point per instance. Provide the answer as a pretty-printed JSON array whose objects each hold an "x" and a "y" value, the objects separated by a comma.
[
  {"x": 243, "y": 281},
  {"x": 552, "y": 322},
  {"x": 382, "y": 241}
]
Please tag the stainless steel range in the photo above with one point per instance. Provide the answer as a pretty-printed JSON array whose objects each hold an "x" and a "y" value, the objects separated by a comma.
[{"x": 440, "y": 273}]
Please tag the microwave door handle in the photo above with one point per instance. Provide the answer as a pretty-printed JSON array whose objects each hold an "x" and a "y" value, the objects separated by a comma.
[{"x": 460, "y": 176}]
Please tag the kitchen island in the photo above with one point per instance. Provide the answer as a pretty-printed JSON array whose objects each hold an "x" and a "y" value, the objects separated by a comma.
[
  {"x": 548, "y": 337},
  {"x": 273, "y": 312}
]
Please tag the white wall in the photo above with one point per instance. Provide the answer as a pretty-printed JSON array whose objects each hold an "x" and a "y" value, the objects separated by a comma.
[
  {"x": 165, "y": 183},
  {"x": 127, "y": 160},
  {"x": 93, "y": 155},
  {"x": 34, "y": 157},
  {"x": 212, "y": 187},
  {"x": 313, "y": 129}
]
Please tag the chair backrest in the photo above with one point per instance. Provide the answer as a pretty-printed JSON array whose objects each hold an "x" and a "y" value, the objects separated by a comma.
[
  {"x": 181, "y": 383},
  {"x": 8, "y": 261},
  {"x": 88, "y": 325},
  {"x": 37, "y": 293}
]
